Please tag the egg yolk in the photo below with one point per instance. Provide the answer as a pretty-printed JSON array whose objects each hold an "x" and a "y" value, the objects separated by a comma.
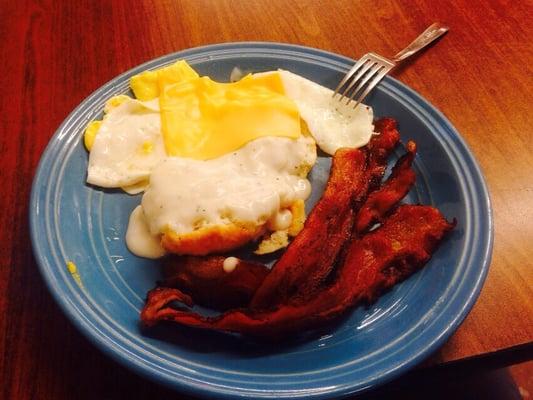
[
  {"x": 94, "y": 126},
  {"x": 90, "y": 133},
  {"x": 115, "y": 101}
]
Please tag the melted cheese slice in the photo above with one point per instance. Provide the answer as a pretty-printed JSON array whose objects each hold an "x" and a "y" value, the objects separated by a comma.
[
  {"x": 147, "y": 85},
  {"x": 204, "y": 119}
]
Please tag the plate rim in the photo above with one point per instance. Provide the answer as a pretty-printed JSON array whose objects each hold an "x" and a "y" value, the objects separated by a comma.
[{"x": 118, "y": 354}]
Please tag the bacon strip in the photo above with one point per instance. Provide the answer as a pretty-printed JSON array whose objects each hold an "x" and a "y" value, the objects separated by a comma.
[
  {"x": 379, "y": 149},
  {"x": 395, "y": 188},
  {"x": 312, "y": 253},
  {"x": 204, "y": 279},
  {"x": 311, "y": 256},
  {"x": 403, "y": 244}
]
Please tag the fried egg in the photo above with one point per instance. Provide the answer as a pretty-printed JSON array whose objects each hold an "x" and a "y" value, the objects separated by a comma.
[
  {"x": 221, "y": 164},
  {"x": 127, "y": 146},
  {"x": 332, "y": 123},
  {"x": 200, "y": 207}
]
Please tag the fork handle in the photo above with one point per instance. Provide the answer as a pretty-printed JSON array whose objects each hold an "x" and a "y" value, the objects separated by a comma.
[{"x": 432, "y": 33}]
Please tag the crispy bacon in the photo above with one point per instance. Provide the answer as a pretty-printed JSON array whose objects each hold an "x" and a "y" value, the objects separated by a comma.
[
  {"x": 379, "y": 149},
  {"x": 383, "y": 257},
  {"x": 382, "y": 200},
  {"x": 310, "y": 258},
  {"x": 311, "y": 254},
  {"x": 204, "y": 279},
  {"x": 303, "y": 290}
]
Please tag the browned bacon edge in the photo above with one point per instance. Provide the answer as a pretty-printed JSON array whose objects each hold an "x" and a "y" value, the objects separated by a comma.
[
  {"x": 391, "y": 192},
  {"x": 377, "y": 261},
  {"x": 205, "y": 280},
  {"x": 309, "y": 259},
  {"x": 311, "y": 254}
]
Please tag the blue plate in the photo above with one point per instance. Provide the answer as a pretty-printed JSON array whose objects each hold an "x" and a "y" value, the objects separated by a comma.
[{"x": 72, "y": 221}]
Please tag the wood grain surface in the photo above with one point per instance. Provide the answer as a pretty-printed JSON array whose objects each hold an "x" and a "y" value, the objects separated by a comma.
[{"x": 55, "y": 53}]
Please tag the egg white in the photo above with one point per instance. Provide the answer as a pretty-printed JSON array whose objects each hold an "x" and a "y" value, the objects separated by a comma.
[
  {"x": 254, "y": 184},
  {"x": 129, "y": 142},
  {"x": 128, "y": 145},
  {"x": 332, "y": 124}
]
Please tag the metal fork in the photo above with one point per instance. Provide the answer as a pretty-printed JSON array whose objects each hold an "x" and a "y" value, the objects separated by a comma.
[{"x": 371, "y": 68}]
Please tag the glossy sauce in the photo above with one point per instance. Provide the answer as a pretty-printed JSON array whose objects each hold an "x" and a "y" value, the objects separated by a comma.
[
  {"x": 250, "y": 185},
  {"x": 139, "y": 239},
  {"x": 230, "y": 264}
]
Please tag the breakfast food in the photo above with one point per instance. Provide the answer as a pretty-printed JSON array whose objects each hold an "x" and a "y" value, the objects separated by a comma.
[
  {"x": 218, "y": 282},
  {"x": 310, "y": 260},
  {"x": 225, "y": 164},
  {"x": 373, "y": 264},
  {"x": 368, "y": 263},
  {"x": 318, "y": 244},
  {"x": 332, "y": 123},
  {"x": 126, "y": 145},
  {"x": 201, "y": 207},
  {"x": 220, "y": 164}
]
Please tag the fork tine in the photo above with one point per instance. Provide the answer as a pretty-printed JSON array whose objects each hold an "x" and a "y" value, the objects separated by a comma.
[
  {"x": 377, "y": 78},
  {"x": 364, "y": 70},
  {"x": 375, "y": 68},
  {"x": 350, "y": 73}
]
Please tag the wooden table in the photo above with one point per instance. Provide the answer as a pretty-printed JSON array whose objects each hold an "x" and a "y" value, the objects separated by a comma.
[{"x": 55, "y": 53}]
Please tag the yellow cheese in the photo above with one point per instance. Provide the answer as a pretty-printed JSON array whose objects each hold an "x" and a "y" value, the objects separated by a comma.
[
  {"x": 146, "y": 85},
  {"x": 203, "y": 119}
]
